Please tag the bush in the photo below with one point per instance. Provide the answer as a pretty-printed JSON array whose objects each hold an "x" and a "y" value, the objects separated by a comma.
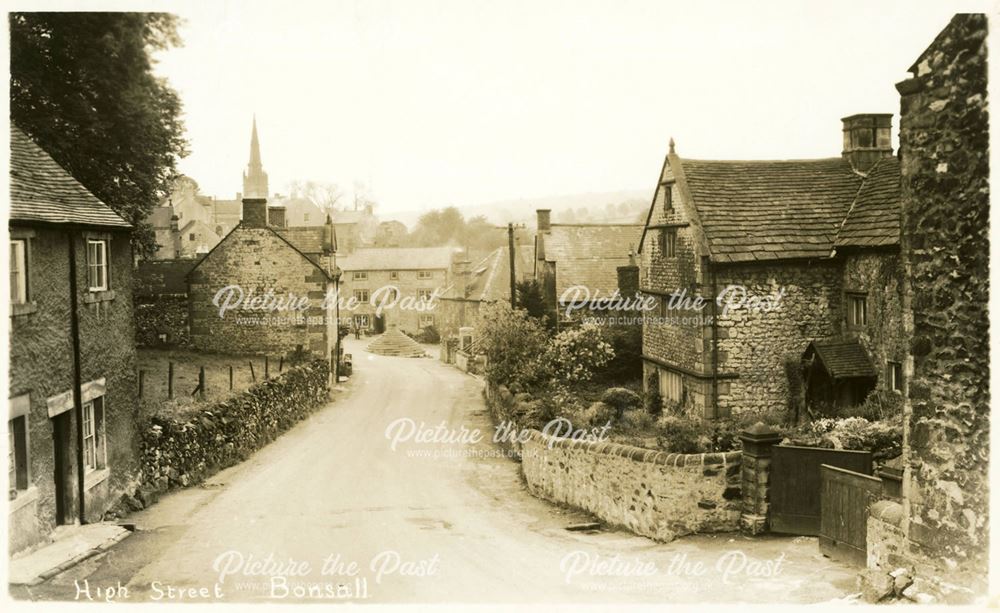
[
  {"x": 879, "y": 405},
  {"x": 627, "y": 363},
  {"x": 513, "y": 343},
  {"x": 654, "y": 401},
  {"x": 574, "y": 355},
  {"x": 680, "y": 435},
  {"x": 639, "y": 421},
  {"x": 882, "y": 438},
  {"x": 621, "y": 399},
  {"x": 598, "y": 414}
]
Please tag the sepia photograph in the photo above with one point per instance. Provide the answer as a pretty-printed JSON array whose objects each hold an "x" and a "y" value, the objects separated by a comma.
[{"x": 519, "y": 304}]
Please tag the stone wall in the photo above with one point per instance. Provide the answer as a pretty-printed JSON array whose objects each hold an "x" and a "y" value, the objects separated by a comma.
[
  {"x": 258, "y": 261},
  {"x": 753, "y": 345},
  {"x": 655, "y": 494},
  {"x": 41, "y": 368},
  {"x": 944, "y": 142},
  {"x": 181, "y": 449},
  {"x": 162, "y": 321},
  {"x": 880, "y": 276}
]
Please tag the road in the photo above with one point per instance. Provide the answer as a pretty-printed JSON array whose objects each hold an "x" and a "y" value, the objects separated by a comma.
[{"x": 422, "y": 523}]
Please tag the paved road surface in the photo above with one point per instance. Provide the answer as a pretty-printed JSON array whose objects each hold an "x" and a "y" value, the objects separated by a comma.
[{"x": 455, "y": 528}]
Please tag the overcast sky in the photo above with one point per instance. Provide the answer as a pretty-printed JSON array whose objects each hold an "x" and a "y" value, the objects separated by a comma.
[{"x": 438, "y": 103}]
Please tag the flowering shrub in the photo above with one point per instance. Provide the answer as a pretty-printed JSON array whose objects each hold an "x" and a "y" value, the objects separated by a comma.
[
  {"x": 513, "y": 342},
  {"x": 575, "y": 355},
  {"x": 882, "y": 438}
]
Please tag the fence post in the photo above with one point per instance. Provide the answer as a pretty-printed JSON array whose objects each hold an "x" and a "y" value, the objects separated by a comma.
[
  {"x": 253, "y": 375},
  {"x": 201, "y": 383},
  {"x": 230, "y": 377},
  {"x": 758, "y": 441},
  {"x": 142, "y": 381},
  {"x": 281, "y": 364},
  {"x": 170, "y": 380},
  {"x": 266, "y": 369}
]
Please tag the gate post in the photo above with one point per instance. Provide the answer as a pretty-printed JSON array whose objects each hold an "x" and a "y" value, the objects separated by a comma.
[{"x": 758, "y": 440}]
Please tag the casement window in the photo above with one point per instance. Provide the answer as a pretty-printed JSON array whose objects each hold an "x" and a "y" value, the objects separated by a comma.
[
  {"x": 305, "y": 217},
  {"x": 97, "y": 264},
  {"x": 361, "y": 321},
  {"x": 894, "y": 376},
  {"x": 393, "y": 294},
  {"x": 424, "y": 294},
  {"x": 191, "y": 237},
  {"x": 671, "y": 386},
  {"x": 668, "y": 198},
  {"x": 95, "y": 451},
  {"x": 857, "y": 310},
  {"x": 426, "y": 321},
  {"x": 361, "y": 295},
  {"x": 424, "y": 274},
  {"x": 668, "y": 242},
  {"x": 393, "y": 275},
  {"x": 360, "y": 275},
  {"x": 19, "y": 271}
]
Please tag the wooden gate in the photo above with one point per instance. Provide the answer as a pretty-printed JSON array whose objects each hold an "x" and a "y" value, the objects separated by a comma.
[
  {"x": 845, "y": 498},
  {"x": 795, "y": 484}
]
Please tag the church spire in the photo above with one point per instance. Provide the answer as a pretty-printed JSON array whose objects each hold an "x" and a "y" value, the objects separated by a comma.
[{"x": 255, "y": 179}]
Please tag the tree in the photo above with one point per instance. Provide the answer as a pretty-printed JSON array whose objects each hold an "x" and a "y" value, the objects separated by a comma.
[
  {"x": 513, "y": 344},
  {"x": 82, "y": 86},
  {"x": 532, "y": 300},
  {"x": 326, "y": 195}
]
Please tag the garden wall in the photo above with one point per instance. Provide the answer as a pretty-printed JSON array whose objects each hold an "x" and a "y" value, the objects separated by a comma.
[
  {"x": 655, "y": 494},
  {"x": 180, "y": 449}
]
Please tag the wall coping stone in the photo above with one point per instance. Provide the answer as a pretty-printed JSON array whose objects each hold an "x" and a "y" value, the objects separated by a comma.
[
  {"x": 888, "y": 511},
  {"x": 639, "y": 454}
]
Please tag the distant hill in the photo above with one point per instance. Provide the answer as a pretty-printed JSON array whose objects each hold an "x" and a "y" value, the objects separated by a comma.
[{"x": 623, "y": 206}]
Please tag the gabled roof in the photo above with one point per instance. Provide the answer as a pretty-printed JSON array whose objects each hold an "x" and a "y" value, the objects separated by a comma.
[
  {"x": 873, "y": 220},
  {"x": 42, "y": 191},
  {"x": 241, "y": 228},
  {"x": 308, "y": 239},
  {"x": 842, "y": 359},
  {"x": 768, "y": 210},
  {"x": 398, "y": 258},
  {"x": 589, "y": 254},
  {"x": 489, "y": 278}
]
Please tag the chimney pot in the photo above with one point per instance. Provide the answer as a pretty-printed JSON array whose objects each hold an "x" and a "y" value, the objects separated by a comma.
[{"x": 867, "y": 139}]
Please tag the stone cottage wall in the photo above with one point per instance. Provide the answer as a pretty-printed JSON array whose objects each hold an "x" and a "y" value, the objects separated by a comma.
[
  {"x": 880, "y": 275},
  {"x": 408, "y": 285},
  {"x": 41, "y": 368},
  {"x": 258, "y": 260},
  {"x": 651, "y": 493},
  {"x": 944, "y": 139},
  {"x": 753, "y": 346}
]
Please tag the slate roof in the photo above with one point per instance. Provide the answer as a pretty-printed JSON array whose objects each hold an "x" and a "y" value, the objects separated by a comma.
[
  {"x": 155, "y": 277},
  {"x": 398, "y": 258},
  {"x": 489, "y": 278},
  {"x": 590, "y": 254},
  {"x": 307, "y": 239},
  {"x": 42, "y": 191},
  {"x": 843, "y": 359},
  {"x": 768, "y": 210},
  {"x": 873, "y": 220}
]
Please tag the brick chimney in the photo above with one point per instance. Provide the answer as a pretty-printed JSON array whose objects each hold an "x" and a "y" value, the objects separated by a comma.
[
  {"x": 628, "y": 277},
  {"x": 544, "y": 219},
  {"x": 276, "y": 217},
  {"x": 867, "y": 139},
  {"x": 460, "y": 270},
  {"x": 255, "y": 212}
]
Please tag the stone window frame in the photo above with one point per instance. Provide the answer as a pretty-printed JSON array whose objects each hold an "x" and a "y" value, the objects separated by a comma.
[
  {"x": 668, "y": 242},
  {"x": 393, "y": 275},
  {"x": 359, "y": 292},
  {"x": 423, "y": 317},
  {"x": 894, "y": 376},
  {"x": 668, "y": 196},
  {"x": 425, "y": 274},
  {"x": 850, "y": 298},
  {"x": 29, "y": 305},
  {"x": 424, "y": 293},
  {"x": 359, "y": 275}
]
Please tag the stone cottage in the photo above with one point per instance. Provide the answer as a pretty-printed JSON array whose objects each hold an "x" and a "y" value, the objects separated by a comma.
[
  {"x": 757, "y": 265},
  {"x": 73, "y": 396},
  {"x": 264, "y": 277},
  {"x": 579, "y": 262},
  {"x": 406, "y": 281}
]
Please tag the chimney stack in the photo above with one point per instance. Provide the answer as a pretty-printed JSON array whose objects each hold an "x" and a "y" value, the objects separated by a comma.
[
  {"x": 544, "y": 219},
  {"x": 628, "y": 277},
  {"x": 867, "y": 139},
  {"x": 255, "y": 212},
  {"x": 276, "y": 216}
]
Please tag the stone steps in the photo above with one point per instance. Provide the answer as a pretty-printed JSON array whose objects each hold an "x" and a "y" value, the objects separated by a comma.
[{"x": 396, "y": 344}]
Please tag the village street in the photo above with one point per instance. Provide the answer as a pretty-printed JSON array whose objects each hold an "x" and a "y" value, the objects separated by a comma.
[{"x": 333, "y": 486}]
